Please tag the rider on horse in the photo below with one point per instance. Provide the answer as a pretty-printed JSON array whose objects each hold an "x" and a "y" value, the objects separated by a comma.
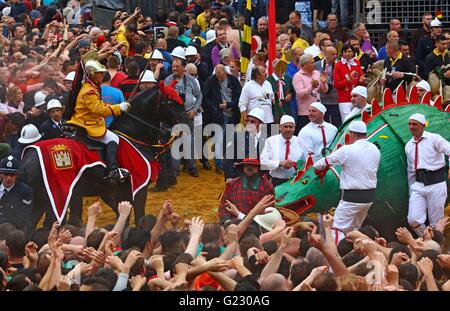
[{"x": 90, "y": 113}]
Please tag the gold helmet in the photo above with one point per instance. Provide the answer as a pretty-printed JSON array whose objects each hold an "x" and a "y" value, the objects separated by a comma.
[{"x": 91, "y": 64}]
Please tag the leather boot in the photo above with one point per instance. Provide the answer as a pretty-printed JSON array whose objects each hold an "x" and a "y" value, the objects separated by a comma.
[{"x": 114, "y": 173}]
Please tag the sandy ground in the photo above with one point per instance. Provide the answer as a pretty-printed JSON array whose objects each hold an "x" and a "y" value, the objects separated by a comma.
[{"x": 191, "y": 196}]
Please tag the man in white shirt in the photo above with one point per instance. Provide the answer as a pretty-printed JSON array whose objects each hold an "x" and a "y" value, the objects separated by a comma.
[
  {"x": 425, "y": 154},
  {"x": 359, "y": 101},
  {"x": 359, "y": 160},
  {"x": 257, "y": 93},
  {"x": 281, "y": 152},
  {"x": 317, "y": 135}
]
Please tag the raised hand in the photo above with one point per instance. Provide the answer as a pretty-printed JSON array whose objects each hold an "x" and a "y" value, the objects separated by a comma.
[
  {"x": 399, "y": 258},
  {"x": 95, "y": 209},
  {"x": 64, "y": 236},
  {"x": 231, "y": 208},
  {"x": 425, "y": 266},
  {"x": 266, "y": 201},
  {"x": 442, "y": 223},
  {"x": 285, "y": 237},
  {"x": 197, "y": 226},
  {"x": 125, "y": 208},
  {"x": 31, "y": 252},
  {"x": 403, "y": 235}
]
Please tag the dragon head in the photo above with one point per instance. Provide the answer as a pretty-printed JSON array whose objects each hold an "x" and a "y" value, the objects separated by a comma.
[{"x": 305, "y": 192}]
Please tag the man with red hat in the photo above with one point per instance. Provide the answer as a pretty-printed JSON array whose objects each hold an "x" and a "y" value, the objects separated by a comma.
[{"x": 242, "y": 193}]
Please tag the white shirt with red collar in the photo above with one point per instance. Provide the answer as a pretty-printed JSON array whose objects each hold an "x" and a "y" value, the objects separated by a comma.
[
  {"x": 359, "y": 162},
  {"x": 312, "y": 141},
  {"x": 431, "y": 153}
]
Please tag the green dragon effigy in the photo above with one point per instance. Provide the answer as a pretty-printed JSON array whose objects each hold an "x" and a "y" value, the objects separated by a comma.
[{"x": 387, "y": 128}]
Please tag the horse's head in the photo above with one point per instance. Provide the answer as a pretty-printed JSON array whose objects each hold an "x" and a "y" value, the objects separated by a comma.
[
  {"x": 171, "y": 108},
  {"x": 309, "y": 192}
]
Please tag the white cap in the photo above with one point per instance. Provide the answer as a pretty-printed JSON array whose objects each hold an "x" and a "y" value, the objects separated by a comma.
[
  {"x": 39, "y": 98},
  {"x": 29, "y": 134},
  {"x": 419, "y": 118},
  {"x": 319, "y": 106},
  {"x": 148, "y": 77},
  {"x": 191, "y": 51},
  {"x": 435, "y": 23},
  {"x": 358, "y": 127},
  {"x": 70, "y": 76},
  {"x": 54, "y": 103},
  {"x": 210, "y": 36},
  {"x": 360, "y": 90},
  {"x": 157, "y": 55},
  {"x": 6, "y": 11},
  {"x": 268, "y": 220},
  {"x": 286, "y": 119},
  {"x": 258, "y": 113},
  {"x": 424, "y": 85},
  {"x": 179, "y": 52}
]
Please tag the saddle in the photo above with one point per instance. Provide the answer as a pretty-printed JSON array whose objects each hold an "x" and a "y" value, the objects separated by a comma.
[{"x": 79, "y": 133}]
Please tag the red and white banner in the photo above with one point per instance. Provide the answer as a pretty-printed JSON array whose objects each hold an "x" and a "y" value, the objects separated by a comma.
[{"x": 63, "y": 162}]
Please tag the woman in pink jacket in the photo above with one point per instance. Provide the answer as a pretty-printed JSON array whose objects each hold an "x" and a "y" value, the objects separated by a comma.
[{"x": 308, "y": 83}]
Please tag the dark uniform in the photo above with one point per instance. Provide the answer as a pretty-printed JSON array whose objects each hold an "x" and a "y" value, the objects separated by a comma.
[
  {"x": 425, "y": 46},
  {"x": 16, "y": 202},
  {"x": 238, "y": 151},
  {"x": 402, "y": 64},
  {"x": 436, "y": 59},
  {"x": 50, "y": 130}
]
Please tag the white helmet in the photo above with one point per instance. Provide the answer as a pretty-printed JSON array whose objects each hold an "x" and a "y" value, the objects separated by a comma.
[
  {"x": 179, "y": 52},
  {"x": 191, "y": 51},
  {"x": 157, "y": 55},
  {"x": 29, "y": 134},
  {"x": 93, "y": 66},
  {"x": 39, "y": 98},
  {"x": 148, "y": 77},
  {"x": 258, "y": 113},
  {"x": 54, "y": 103},
  {"x": 210, "y": 36},
  {"x": 70, "y": 76}
]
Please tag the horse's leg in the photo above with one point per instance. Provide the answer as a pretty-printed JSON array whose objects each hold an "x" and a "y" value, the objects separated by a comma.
[
  {"x": 139, "y": 204},
  {"x": 40, "y": 200},
  {"x": 112, "y": 202},
  {"x": 76, "y": 210}
]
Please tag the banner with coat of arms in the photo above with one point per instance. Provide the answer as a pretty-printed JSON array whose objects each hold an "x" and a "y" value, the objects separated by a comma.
[{"x": 63, "y": 162}]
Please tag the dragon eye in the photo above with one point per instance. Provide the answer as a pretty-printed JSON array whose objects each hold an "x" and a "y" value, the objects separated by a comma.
[{"x": 304, "y": 181}]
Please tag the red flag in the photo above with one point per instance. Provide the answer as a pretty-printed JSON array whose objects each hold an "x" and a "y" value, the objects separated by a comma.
[{"x": 272, "y": 35}]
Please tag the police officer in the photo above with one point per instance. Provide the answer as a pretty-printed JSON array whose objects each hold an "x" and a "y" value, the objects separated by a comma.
[
  {"x": 16, "y": 198},
  {"x": 359, "y": 161},
  {"x": 425, "y": 153}
]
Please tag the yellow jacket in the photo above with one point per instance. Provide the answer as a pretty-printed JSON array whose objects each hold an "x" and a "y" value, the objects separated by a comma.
[
  {"x": 90, "y": 111},
  {"x": 122, "y": 39}
]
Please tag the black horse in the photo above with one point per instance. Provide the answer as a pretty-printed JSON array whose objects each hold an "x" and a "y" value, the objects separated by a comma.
[{"x": 151, "y": 107}]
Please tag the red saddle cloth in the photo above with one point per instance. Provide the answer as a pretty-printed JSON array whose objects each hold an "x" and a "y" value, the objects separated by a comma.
[{"x": 63, "y": 162}]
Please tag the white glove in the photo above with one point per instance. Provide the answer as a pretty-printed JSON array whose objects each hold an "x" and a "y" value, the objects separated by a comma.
[{"x": 125, "y": 106}]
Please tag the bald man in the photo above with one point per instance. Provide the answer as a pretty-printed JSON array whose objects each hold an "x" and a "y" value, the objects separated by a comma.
[{"x": 329, "y": 99}]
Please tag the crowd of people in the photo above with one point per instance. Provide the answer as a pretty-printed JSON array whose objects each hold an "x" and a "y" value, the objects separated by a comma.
[{"x": 318, "y": 82}]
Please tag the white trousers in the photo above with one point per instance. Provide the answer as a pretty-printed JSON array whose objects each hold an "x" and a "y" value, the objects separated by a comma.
[
  {"x": 109, "y": 137},
  {"x": 423, "y": 201},
  {"x": 350, "y": 216},
  {"x": 344, "y": 109}
]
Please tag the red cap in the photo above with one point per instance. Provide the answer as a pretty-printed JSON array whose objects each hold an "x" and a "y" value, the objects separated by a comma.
[{"x": 249, "y": 161}]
